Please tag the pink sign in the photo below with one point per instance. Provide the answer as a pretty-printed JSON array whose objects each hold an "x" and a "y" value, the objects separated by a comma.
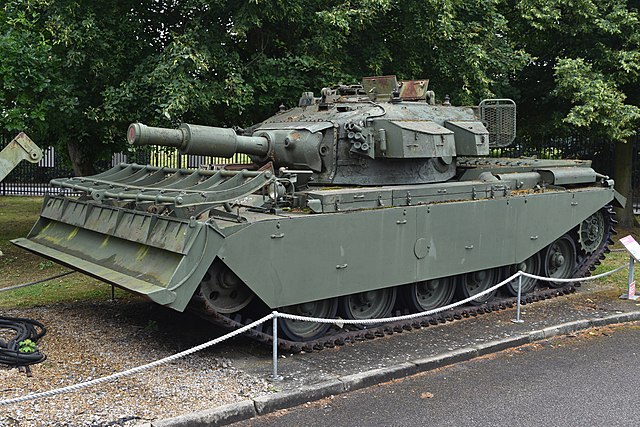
[{"x": 632, "y": 290}]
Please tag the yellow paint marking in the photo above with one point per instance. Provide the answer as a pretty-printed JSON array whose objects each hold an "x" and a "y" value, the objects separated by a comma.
[
  {"x": 73, "y": 233},
  {"x": 142, "y": 252},
  {"x": 52, "y": 239},
  {"x": 105, "y": 242}
]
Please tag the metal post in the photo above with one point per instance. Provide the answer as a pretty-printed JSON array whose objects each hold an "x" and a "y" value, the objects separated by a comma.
[
  {"x": 274, "y": 375},
  {"x": 517, "y": 319},
  {"x": 631, "y": 283}
]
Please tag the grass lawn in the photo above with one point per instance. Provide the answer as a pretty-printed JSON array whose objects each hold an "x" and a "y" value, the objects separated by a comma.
[
  {"x": 17, "y": 266},
  {"x": 617, "y": 282}
]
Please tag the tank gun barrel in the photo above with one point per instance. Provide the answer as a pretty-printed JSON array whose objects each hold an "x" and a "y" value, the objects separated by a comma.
[{"x": 199, "y": 140}]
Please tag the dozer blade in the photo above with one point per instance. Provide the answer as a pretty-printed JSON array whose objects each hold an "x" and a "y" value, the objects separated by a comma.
[
  {"x": 144, "y": 253},
  {"x": 135, "y": 226}
]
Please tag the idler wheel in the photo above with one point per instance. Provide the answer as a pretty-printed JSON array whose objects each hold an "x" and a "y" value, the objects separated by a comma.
[
  {"x": 297, "y": 330},
  {"x": 475, "y": 282},
  {"x": 374, "y": 304},
  {"x": 429, "y": 294},
  {"x": 560, "y": 260},
  {"x": 223, "y": 291},
  {"x": 532, "y": 265},
  {"x": 591, "y": 232}
]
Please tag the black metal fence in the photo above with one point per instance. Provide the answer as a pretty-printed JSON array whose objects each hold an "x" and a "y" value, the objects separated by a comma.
[
  {"x": 33, "y": 179},
  {"x": 600, "y": 152}
]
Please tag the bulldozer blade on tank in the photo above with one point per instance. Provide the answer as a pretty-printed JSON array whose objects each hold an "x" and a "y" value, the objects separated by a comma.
[{"x": 141, "y": 250}]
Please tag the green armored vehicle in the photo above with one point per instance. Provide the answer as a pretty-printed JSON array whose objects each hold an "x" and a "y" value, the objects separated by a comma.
[{"x": 366, "y": 201}]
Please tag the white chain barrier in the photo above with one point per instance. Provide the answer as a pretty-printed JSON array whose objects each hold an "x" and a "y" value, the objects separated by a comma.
[
  {"x": 138, "y": 368},
  {"x": 579, "y": 279},
  {"x": 518, "y": 275},
  {"x": 444, "y": 308},
  {"x": 275, "y": 315},
  {"x": 396, "y": 318}
]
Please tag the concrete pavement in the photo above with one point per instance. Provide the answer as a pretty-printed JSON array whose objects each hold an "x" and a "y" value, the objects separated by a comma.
[{"x": 585, "y": 379}]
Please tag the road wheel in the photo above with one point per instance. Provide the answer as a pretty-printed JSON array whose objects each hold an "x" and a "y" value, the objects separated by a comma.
[
  {"x": 429, "y": 294},
  {"x": 298, "y": 330},
  {"x": 532, "y": 265},
  {"x": 475, "y": 282},
  {"x": 223, "y": 291},
  {"x": 374, "y": 304},
  {"x": 560, "y": 260}
]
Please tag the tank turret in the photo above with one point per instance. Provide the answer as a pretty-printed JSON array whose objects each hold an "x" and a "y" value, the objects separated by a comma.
[{"x": 382, "y": 132}]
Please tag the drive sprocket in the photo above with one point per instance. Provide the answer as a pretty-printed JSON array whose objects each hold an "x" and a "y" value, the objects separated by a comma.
[{"x": 592, "y": 232}]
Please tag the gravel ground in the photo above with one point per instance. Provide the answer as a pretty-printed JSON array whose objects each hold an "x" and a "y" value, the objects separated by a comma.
[{"x": 88, "y": 340}]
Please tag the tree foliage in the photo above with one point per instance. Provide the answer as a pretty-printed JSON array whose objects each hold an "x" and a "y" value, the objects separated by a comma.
[
  {"x": 463, "y": 46},
  {"x": 58, "y": 58},
  {"x": 584, "y": 68},
  {"x": 76, "y": 72},
  {"x": 235, "y": 62},
  {"x": 28, "y": 68},
  {"x": 596, "y": 100}
]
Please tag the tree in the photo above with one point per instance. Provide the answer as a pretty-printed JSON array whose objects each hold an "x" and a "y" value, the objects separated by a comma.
[
  {"x": 233, "y": 63},
  {"x": 585, "y": 76},
  {"x": 76, "y": 72},
  {"x": 28, "y": 69},
  {"x": 58, "y": 57},
  {"x": 464, "y": 47}
]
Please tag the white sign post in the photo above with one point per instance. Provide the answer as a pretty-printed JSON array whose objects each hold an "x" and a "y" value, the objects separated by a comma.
[{"x": 634, "y": 250}]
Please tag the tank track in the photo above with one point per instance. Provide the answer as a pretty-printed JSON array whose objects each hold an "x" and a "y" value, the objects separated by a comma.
[{"x": 263, "y": 333}]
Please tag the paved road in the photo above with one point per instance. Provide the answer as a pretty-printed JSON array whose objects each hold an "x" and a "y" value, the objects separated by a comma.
[{"x": 587, "y": 380}]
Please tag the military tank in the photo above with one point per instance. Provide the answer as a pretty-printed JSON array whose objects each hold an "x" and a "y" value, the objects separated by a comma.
[{"x": 366, "y": 201}]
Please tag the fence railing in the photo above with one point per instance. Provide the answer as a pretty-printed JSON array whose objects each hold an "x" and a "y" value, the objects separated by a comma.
[{"x": 29, "y": 179}]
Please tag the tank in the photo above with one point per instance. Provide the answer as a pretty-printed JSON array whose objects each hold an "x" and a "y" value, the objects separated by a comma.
[{"x": 366, "y": 201}]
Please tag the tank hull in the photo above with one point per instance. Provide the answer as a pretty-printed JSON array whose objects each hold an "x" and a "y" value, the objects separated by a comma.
[
  {"x": 293, "y": 260},
  {"x": 288, "y": 258}
]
